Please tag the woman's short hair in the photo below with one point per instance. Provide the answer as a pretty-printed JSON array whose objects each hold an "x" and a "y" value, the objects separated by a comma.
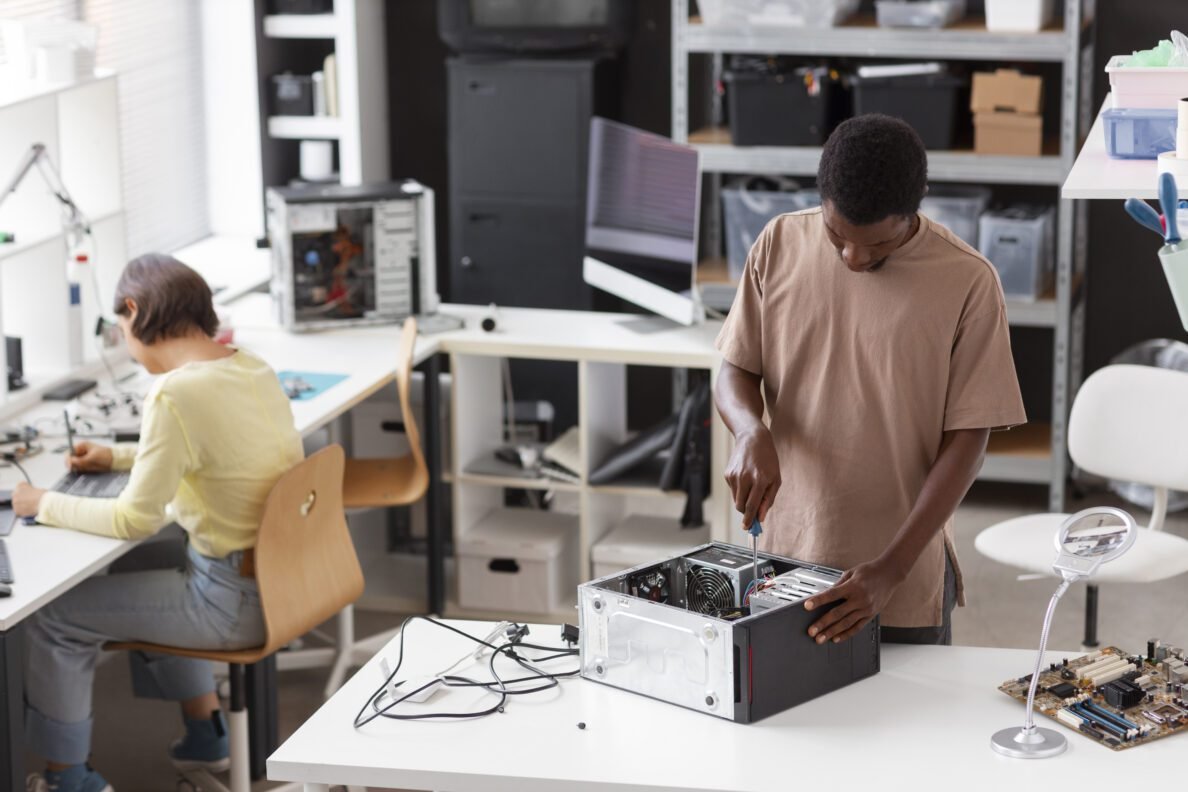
[{"x": 171, "y": 299}]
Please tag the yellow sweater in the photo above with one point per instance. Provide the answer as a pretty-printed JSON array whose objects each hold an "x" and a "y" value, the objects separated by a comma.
[{"x": 214, "y": 437}]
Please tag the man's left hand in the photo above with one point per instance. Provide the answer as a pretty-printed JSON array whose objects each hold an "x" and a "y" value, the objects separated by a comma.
[
  {"x": 26, "y": 500},
  {"x": 863, "y": 592}
]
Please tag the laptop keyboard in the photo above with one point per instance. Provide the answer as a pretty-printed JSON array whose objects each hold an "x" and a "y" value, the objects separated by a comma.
[{"x": 93, "y": 485}]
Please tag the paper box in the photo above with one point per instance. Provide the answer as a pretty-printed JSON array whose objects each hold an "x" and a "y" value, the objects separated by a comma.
[{"x": 1006, "y": 107}]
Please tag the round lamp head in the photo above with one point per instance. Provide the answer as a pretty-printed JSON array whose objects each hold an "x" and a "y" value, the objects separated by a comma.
[{"x": 1090, "y": 538}]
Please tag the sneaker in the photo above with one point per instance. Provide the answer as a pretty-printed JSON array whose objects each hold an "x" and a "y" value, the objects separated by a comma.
[
  {"x": 205, "y": 746},
  {"x": 76, "y": 778}
]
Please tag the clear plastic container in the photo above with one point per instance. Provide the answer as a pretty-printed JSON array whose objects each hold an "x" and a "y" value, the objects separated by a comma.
[
  {"x": 957, "y": 209},
  {"x": 783, "y": 13},
  {"x": 918, "y": 13},
  {"x": 1018, "y": 16},
  {"x": 749, "y": 211},
  {"x": 1138, "y": 133},
  {"x": 1020, "y": 244},
  {"x": 1159, "y": 87}
]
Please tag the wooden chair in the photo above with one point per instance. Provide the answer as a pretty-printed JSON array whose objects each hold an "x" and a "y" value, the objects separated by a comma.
[
  {"x": 381, "y": 484},
  {"x": 306, "y": 570}
]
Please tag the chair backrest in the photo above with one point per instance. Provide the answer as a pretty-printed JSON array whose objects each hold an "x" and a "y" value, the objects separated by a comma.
[
  {"x": 1131, "y": 423},
  {"x": 404, "y": 360},
  {"x": 306, "y": 566}
]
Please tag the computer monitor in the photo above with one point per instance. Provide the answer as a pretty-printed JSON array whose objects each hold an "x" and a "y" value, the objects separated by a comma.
[{"x": 641, "y": 220}]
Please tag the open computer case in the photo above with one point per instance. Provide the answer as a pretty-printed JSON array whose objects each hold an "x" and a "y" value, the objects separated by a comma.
[{"x": 708, "y": 631}]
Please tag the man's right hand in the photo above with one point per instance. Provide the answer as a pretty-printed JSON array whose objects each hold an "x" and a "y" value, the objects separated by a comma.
[
  {"x": 753, "y": 474},
  {"x": 89, "y": 458}
]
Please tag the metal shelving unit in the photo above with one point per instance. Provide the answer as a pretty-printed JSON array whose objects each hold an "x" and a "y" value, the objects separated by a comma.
[{"x": 1037, "y": 453}]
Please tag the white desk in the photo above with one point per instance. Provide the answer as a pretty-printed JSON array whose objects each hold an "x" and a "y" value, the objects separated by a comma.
[
  {"x": 923, "y": 723},
  {"x": 1095, "y": 174}
]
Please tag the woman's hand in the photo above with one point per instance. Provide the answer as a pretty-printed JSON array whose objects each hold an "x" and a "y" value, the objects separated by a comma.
[
  {"x": 26, "y": 500},
  {"x": 89, "y": 458}
]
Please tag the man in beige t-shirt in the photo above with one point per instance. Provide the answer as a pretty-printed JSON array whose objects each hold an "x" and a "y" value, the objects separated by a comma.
[{"x": 877, "y": 341}]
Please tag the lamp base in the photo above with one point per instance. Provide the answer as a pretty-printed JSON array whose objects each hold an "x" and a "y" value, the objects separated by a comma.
[{"x": 1035, "y": 743}]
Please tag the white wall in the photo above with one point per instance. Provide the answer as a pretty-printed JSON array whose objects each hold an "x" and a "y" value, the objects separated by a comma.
[{"x": 234, "y": 181}]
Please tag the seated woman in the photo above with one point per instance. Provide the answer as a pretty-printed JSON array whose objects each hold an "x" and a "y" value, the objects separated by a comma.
[{"x": 216, "y": 434}]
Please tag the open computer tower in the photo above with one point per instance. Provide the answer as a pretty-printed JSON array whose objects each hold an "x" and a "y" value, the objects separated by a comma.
[
  {"x": 707, "y": 630},
  {"x": 351, "y": 255}
]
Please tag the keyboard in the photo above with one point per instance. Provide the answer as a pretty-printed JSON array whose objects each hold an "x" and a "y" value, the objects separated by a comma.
[
  {"x": 93, "y": 485},
  {"x": 5, "y": 565}
]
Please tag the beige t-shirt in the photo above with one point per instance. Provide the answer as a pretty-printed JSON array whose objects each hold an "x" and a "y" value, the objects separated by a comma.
[{"x": 862, "y": 374}]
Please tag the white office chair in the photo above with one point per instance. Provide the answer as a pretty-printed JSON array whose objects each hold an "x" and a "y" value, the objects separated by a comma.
[{"x": 1128, "y": 423}]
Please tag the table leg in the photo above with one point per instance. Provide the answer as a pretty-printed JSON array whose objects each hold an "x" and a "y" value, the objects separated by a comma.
[
  {"x": 316, "y": 788},
  {"x": 12, "y": 712},
  {"x": 1090, "y": 616},
  {"x": 261, "y": 696},
  {"x": 434, "y": 498}
]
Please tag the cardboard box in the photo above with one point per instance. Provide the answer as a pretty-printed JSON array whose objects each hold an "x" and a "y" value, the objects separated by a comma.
[{"x": 1006, "y": 107}]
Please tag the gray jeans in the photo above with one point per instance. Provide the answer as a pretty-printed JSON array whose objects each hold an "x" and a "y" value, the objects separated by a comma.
[
  {"x": 941, "y": 635},
  {"x": 199, "y": 603}
]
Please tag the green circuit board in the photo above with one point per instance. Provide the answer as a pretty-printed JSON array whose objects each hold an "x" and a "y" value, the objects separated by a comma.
[{"x": 1115, "y": 698}]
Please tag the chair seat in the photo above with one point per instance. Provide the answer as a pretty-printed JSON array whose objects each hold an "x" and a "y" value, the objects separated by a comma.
[
  {"x": 237, "y": 657},
  {"x": 373, "y": 483},
  {"x": 1028, "y": 543}
]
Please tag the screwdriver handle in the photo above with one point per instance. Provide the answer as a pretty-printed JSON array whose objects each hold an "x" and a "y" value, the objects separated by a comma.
[{"x": 756, "y": 528}]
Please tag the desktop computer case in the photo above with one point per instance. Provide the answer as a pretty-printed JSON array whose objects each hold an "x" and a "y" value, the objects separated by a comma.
[
  {"x": 742, "y": 670},
  {"x": 405, "y": 256}
]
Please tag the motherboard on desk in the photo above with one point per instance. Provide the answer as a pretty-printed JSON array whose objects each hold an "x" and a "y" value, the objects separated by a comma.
[{"x": 1120, "y": 700}]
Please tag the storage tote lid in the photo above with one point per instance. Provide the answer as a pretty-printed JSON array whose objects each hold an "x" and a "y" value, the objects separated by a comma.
[
  {"x": 529, "y": 534},
  {"x": 640, "y": 539},
  {"x": 1006, "y": 90}
]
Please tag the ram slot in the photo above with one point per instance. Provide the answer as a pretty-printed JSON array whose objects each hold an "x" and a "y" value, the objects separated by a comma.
[
  {"x": 1100, "y": 722},
  {"x": 1116, "y": 718}
]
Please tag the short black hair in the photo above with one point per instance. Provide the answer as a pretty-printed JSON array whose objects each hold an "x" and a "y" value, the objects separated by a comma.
[
  {"x": 172, "y": 300},
  {"x": 873, "y": 167}
]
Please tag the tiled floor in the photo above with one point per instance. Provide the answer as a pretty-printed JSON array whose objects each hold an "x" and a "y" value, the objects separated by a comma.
[{"x": 132, "y": 736}]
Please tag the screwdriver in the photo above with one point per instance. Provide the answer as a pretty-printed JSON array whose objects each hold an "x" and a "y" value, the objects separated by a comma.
[{"x": 755, "y": 529}]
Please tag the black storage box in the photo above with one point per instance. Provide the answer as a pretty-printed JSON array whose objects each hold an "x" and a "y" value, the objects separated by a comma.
[
  {"x": 929, "y": 102},
  {"x": 292, "y": 95},
  {"x": 799, "y": 107},
  {"x": 302, "y": 6}
]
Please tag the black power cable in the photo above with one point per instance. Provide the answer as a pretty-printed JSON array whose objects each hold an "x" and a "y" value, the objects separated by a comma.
[{"x": 498, "y": 687}]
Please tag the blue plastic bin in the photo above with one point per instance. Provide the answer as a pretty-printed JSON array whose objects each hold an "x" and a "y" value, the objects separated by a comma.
[{"x": 1138, "y": 133}]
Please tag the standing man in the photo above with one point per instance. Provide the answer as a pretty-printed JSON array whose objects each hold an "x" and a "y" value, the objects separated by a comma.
[{"x": 877, "y": 341}]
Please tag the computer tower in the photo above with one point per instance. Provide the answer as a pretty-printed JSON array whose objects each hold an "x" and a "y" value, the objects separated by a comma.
[{"x": 682, "y": 630}]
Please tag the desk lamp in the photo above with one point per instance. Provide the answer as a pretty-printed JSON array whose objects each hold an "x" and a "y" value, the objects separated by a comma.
[{"x": 1085, "y": 541}]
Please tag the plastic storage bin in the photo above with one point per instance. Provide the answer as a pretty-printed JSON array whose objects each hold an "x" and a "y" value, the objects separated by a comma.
[
  {"x": 641, "y": 540},
  {"x": 1146, "y": 86},
  {"x": 518, "y": 560},
  {"x": 797, "y": 108},
  {"x": 918, "y": 13},
  {"x": 747, "y": 212},
  {"x": 1138, "y": 133},
  {"x": 1019, "y": 243},
  {"x": 786, "y": 13},
  {"x": 958, "y": 209},
  {"x": 929, "y": 102},
  {"x": 1019, "y": 16}
]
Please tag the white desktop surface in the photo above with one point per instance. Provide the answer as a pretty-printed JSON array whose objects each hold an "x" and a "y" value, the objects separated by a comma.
[
  {"x": 1095, "y": 174},
  {"x": 923, "y": 723}
]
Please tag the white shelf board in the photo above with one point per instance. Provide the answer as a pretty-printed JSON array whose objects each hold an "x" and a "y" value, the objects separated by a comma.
[
  {"x": 1019, "y": 469},
  {"x": 943, "y": 166},
  {"x": 26, "y": 243},
  {"x": 1096, "y": 175},
  {"x": 305, "y": 127},
  {"x": 1031, "y": 313},
  {"x": 967, "y": 40},
  {"x": 514, "y": 482},
  {"x": 23, "y": 92},
  {"x": 301, "y": 26}
]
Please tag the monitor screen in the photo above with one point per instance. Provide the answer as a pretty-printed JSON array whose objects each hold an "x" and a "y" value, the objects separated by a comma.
[
  {"x": 643, "y": 204},
  {"x": 540, "y": 13}
]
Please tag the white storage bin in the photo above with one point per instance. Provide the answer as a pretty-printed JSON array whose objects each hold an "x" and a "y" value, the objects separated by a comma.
[
  {"x": 1018, "y": 16},
  {"x": 1159, "y": 87},
  {"x": 519, "y": 561},
  {"x": 747, "y": 212},
  {"x": 1020, "y": 244},
  {"x": 783, "y": 13},
  {"x": 641, "y": 539},
  {"x": 918, "y": 13},
  {"x": 957, "y": 209}
]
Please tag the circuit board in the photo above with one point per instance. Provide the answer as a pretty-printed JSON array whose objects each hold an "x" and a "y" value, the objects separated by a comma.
[{"x": 1116, "y": 698}]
